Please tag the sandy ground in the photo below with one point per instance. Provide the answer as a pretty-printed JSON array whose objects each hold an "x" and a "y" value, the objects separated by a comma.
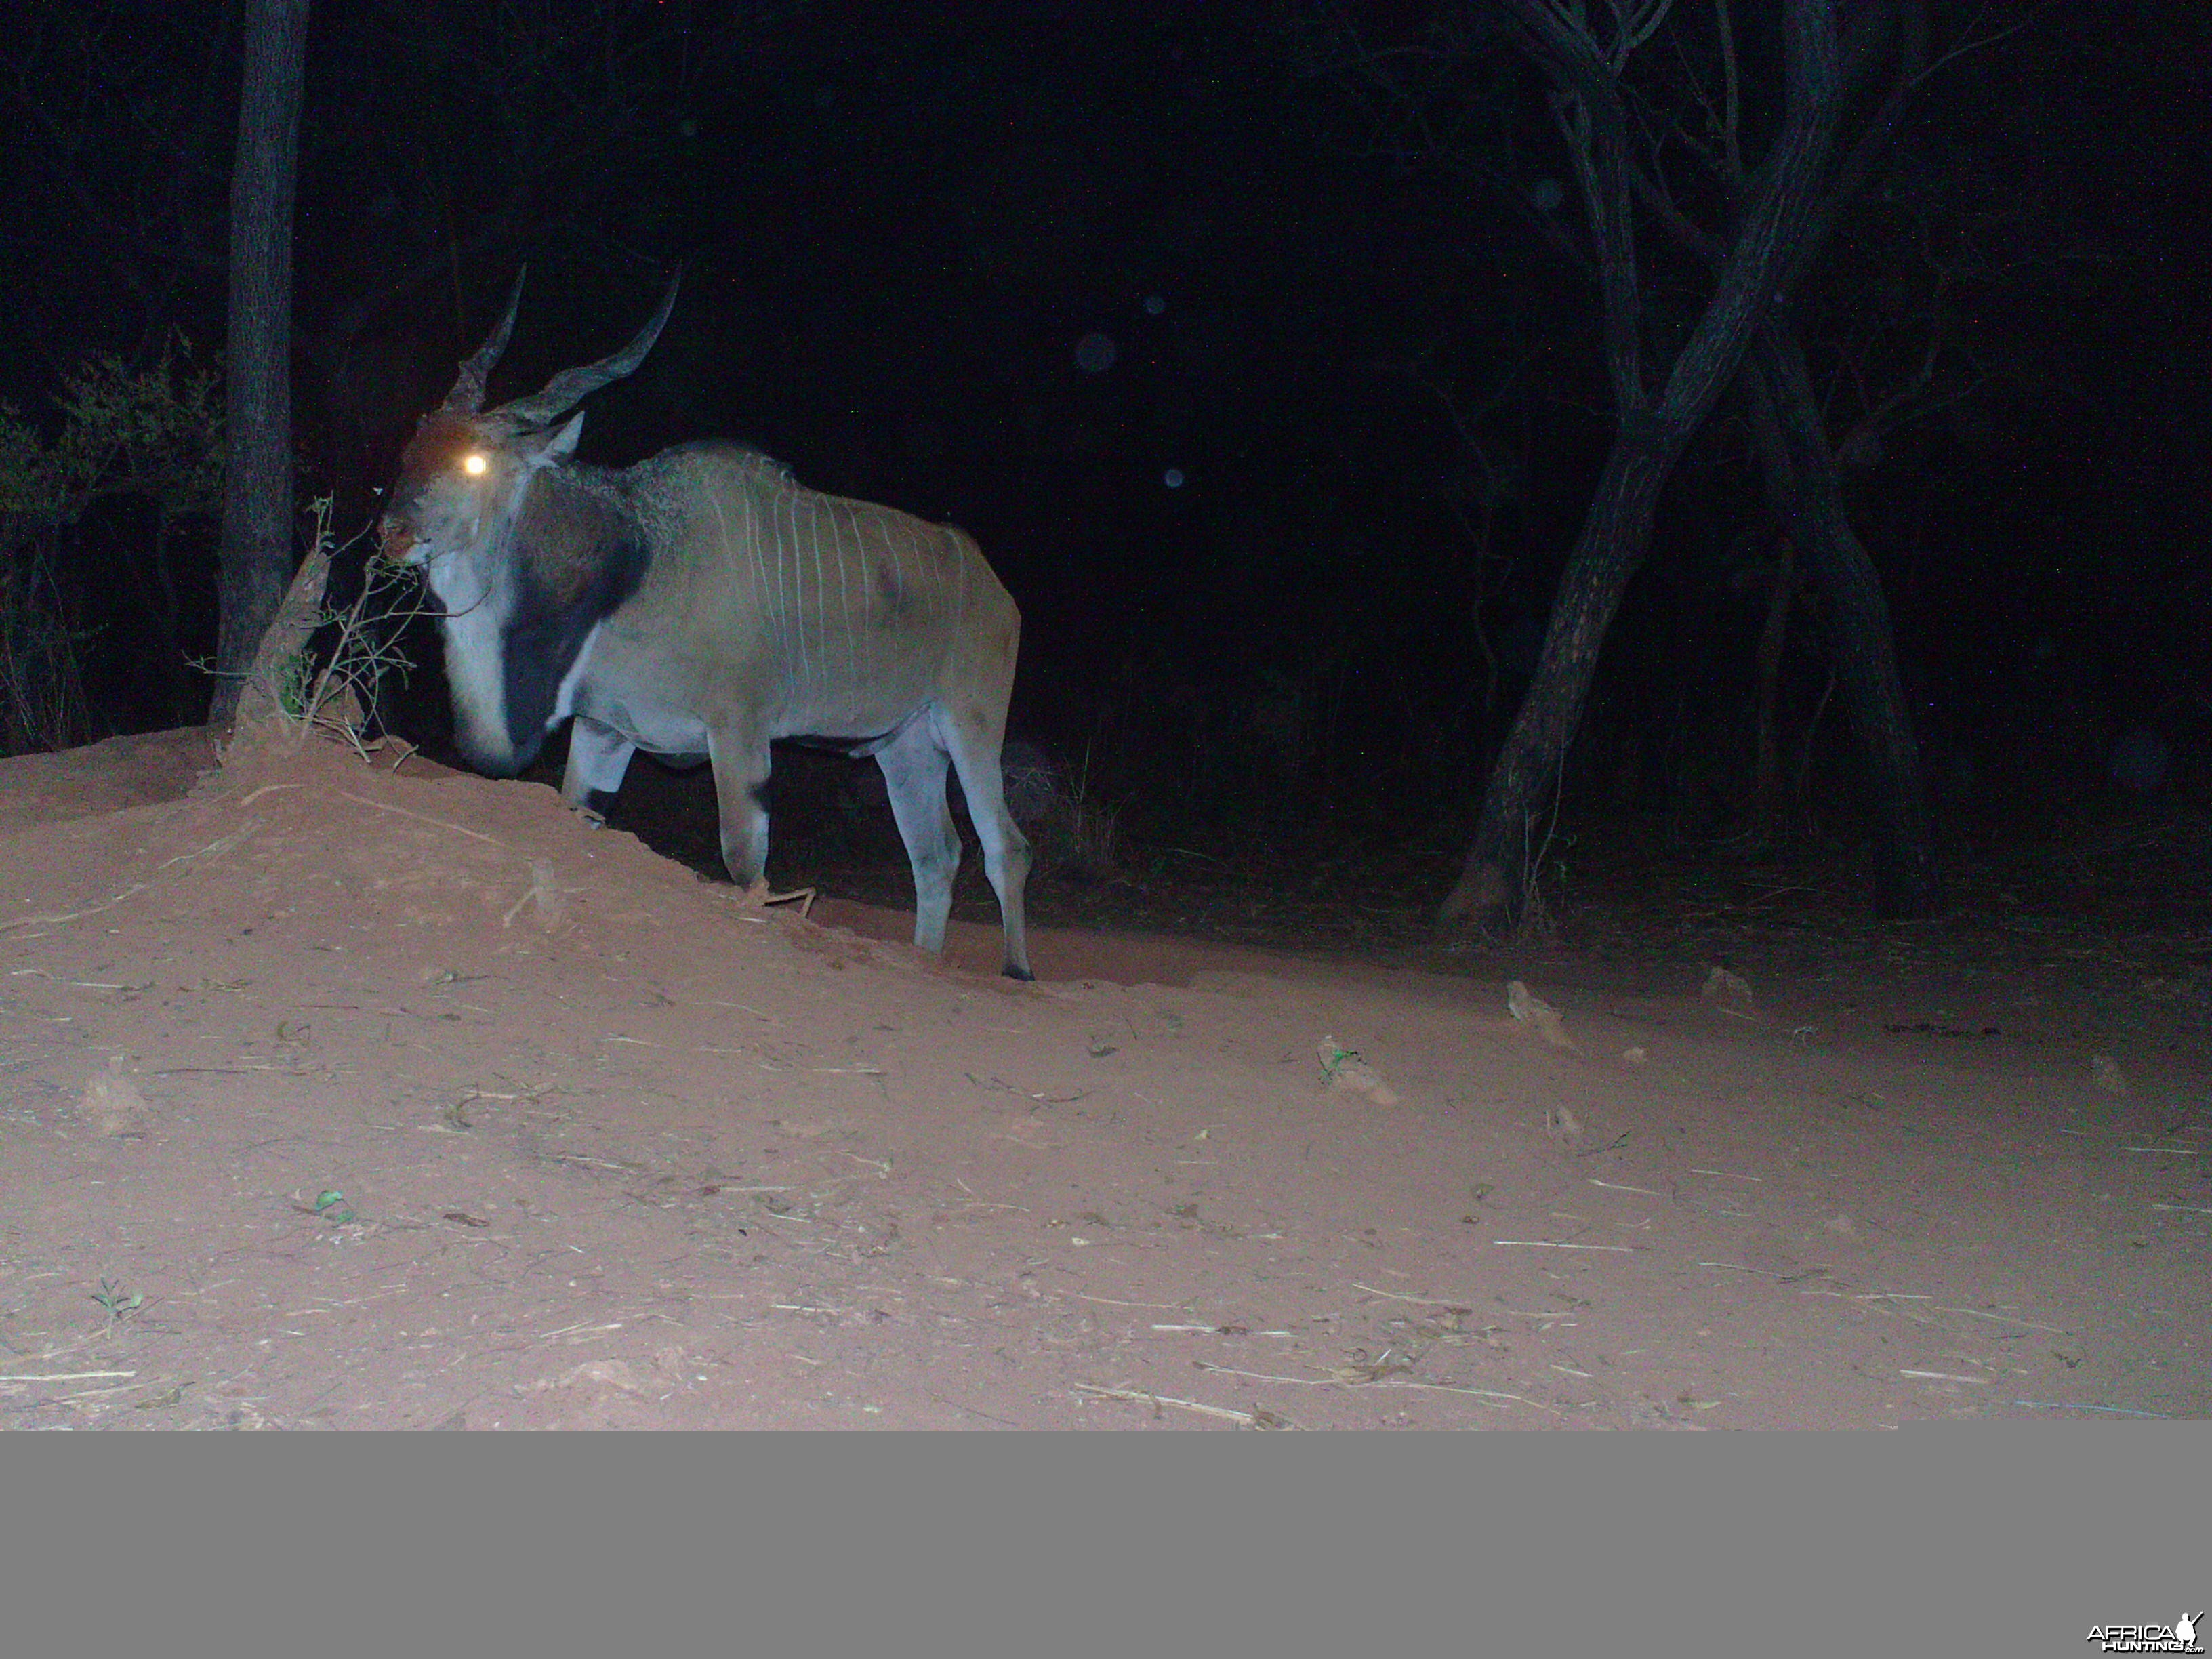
[{"x": 332, "y": 1098}]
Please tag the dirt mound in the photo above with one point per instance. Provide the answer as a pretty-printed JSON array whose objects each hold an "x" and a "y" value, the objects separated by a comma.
[{"x": 108, "y": 777}]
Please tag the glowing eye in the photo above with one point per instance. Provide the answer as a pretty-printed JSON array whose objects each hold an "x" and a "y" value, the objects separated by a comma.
[{"x": 474, "y": 466}]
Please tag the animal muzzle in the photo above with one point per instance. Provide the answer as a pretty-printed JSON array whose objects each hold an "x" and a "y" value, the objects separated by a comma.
[
  {"x": 395, "y": 541},
  {"x": 495, "y": 756}
]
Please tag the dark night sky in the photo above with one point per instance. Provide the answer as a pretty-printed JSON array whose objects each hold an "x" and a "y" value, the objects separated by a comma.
[{"x": 899, "y": 222}]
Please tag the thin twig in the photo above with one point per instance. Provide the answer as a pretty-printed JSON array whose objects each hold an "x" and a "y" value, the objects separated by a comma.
[
  {"x": 1426, "y": 1301},
  {"x": 1381, "y": 1383},
  {"x": 420, "y": 818},
  {"x": 71, "y": 915},
  {"x": 1137, "y": 1397}
]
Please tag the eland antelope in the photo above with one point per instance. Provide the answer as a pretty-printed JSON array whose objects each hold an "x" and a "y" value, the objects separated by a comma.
[{"x": 702, "y": 603}]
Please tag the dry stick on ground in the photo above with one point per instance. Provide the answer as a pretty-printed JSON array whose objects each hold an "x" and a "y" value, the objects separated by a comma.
[
  {"x": 1426, "y": 1301},
  {"x": 757, "y": 896},
  {"x": 1487, "y": 1395},
  {"x": 440, "y": 823},
  {"x": 215, "y": 849},
  {"x": 1137, "y": 1397},
  {"x": 71, "y": 915}
]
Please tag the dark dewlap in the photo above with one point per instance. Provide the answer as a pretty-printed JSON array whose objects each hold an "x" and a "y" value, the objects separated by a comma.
[{"x": 543, "y": 634}]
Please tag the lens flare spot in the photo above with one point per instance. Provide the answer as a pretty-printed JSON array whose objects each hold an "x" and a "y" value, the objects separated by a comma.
[{"x": 1095, "y": 353}]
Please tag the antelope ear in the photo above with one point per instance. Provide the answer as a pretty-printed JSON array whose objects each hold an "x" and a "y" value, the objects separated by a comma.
[{"x": 561, "y": 445}]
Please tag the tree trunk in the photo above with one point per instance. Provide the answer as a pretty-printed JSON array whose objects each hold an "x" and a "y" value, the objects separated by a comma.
[
  {"x": 1498, "y": 879},
  {"x": 1804, "y": 490},
  {"x": 1500, "y": 869},
  {"x": 1781, "y": 214},
  {"x": 257, "y": 505}
]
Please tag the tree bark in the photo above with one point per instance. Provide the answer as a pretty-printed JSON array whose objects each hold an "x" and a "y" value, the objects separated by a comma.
[
  {"x": 256, "y": 560},
  {"x": 1804, "y": 490},
  {"x": 1500, "y": 867},
  {"x": 1780, "y": 213}
]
